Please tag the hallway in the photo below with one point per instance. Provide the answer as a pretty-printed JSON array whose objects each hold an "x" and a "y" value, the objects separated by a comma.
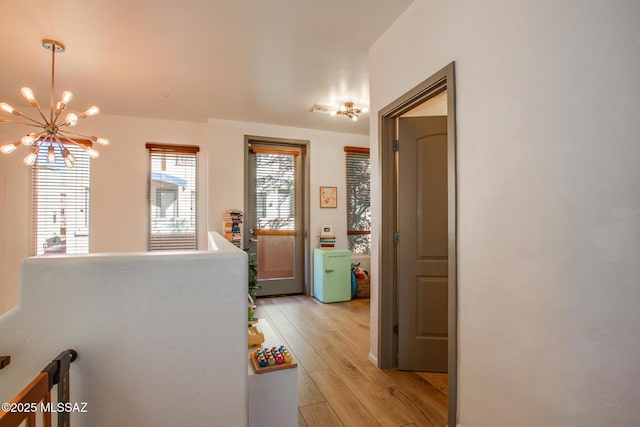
[{"x": 337, "y": 384}]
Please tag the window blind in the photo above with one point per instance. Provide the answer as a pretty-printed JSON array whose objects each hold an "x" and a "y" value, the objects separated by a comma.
[
  {"x": 274, "y": 175},
  {"x": 61, "y": 202},
  {"x": 358, "y": 192},
  {"x": 173, "y": 197}
]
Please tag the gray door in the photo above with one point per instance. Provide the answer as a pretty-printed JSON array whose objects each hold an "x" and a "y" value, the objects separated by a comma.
[
  {"x": 274, "y": 217},
  {"x": 422, "y": 248}
]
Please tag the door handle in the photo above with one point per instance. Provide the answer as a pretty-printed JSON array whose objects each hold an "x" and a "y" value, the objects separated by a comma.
[{"x": 328, "y": 270}]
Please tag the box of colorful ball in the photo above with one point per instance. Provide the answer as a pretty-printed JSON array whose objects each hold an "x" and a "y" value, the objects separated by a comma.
[{"x": 272, "y": 359}]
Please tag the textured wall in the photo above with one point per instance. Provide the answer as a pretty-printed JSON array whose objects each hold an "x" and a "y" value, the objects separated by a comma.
[
  {"x": 161, "y": 337},
  {"x": 548, "y": 200}
]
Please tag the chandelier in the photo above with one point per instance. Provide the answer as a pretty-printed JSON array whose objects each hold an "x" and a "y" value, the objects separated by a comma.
[
  {"x": 349, "y": 110},
  {"x": 52, "y": 131}
]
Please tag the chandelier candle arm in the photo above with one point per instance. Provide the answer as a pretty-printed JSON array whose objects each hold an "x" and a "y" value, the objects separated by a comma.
[
  {"x": 69, "y": 160},
  {"x": 28, "y": 94},
  {"x": 26, "y": 140},
  {"x": 9, "y": 109},
  {"x": 62, "y": 104},
  {"x": 90, "y": 151},
  {"x": 4, "y": 120},
  {"x": 92, "y": 138},
  {"x": 66, "y": 154}
]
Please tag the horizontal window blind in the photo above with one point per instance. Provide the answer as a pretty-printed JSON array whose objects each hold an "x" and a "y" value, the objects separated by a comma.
[
  {"x": 173, "y": 198},
  {"x": 274, "y": 177},
  {"x": 358, "y": 191},
  {"x": 61, "y": 202}
]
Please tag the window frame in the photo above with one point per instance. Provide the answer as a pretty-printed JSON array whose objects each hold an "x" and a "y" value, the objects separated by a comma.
[
  {"x": 158, "y": 241},
  {"x": 284, "y": 197},
  {"x": 351, "y": 155},
  {"x": 80, "y": 200}
]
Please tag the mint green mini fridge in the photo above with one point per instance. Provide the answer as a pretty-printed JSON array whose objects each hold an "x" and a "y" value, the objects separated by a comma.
[{"x": 332, "y": 275}]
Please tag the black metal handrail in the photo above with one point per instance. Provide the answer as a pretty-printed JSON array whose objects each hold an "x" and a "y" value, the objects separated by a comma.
[
  {"x": 58, "y": 371},
  {"x": 55, "y": 373}
]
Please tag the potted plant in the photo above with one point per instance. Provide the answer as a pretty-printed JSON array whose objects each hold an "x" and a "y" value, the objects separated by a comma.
[{"x": 253, "y": 285}]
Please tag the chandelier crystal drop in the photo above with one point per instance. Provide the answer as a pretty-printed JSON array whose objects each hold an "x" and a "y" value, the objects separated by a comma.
[{"x": 52, "y": 131}]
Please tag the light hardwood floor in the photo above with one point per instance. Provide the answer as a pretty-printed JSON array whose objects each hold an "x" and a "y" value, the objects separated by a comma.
[{"x": 337, "y": 383}]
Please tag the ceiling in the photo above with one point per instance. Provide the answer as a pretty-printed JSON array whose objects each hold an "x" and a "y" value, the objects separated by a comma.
[
  {"x": 250, "y": 60},
  {"x": 434, "y": 106}
]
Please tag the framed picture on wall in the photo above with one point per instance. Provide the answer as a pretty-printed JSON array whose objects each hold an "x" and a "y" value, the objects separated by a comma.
[
  {"x": 326, "y": 230},
  {"x": 328, "y": 197}
]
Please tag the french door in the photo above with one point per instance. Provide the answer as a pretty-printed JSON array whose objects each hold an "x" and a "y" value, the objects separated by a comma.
[{"x": 274, "y": 216}]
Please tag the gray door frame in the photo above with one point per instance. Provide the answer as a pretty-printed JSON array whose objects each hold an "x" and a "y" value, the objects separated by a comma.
[
  {"x": 305, "y": 190},
  {"x": 387, "y": 289}
]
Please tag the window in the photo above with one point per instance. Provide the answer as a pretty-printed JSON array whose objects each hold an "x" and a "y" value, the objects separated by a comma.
[
  {"x": 275, "y": 172},
  {"x": 358, "y": 199},
  {"x": 173, "y": 187},
  {"x": 60, "y": 202}
]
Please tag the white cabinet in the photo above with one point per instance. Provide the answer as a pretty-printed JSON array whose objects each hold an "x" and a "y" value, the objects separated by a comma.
[{"x": 273, "y": 396}]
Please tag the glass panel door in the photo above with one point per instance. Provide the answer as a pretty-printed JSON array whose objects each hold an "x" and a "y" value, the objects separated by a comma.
[{"x": 274, "y": 216}]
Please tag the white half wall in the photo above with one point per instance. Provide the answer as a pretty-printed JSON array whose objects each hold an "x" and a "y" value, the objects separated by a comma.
[
  {"x": 161, "y": 337},
  {"x": 548, "y": 201}
]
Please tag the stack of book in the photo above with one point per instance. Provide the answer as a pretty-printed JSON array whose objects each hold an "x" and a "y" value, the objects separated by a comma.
[
  {"x": 327, "y": 241},
  {"x": 232, "y": 226}
]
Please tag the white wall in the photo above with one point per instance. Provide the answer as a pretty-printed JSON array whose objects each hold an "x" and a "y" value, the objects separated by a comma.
[
  {"x": 14, "y": 234},
  {"x": 119, "y": 194},
  {"x": 548, "y": 200},
  {"x": 327, "y": 168},
  {"x": 161, "y": 337}
]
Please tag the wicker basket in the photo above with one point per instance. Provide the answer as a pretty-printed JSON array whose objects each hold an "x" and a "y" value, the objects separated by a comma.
[{"x": 363, "y": 288}]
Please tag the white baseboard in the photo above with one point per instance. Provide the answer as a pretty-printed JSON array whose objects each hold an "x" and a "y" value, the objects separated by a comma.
[{"x": 373, "y": 359}]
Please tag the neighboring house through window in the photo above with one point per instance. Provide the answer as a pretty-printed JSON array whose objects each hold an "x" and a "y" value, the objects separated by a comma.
[
  {"x": 358, "y": 169},
  {"x": 274, "y": 173},
  {"x": 173, "y": 187},
  {"x": 61, "y": 202}
]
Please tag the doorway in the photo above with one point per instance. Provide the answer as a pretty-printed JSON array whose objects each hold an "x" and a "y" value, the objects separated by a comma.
[
  {"x": 275, "y": 221},
  {"x": 420, "y": 303}
]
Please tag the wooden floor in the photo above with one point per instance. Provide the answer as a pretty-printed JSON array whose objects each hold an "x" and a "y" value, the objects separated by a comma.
[{"x": 337, "y": 383}]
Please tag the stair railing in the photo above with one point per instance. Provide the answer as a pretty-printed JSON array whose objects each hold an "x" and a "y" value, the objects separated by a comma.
[{"x": 36, "y": 397}]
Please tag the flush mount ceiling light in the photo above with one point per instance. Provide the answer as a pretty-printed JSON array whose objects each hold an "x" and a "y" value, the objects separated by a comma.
[
  {"x": 51, "y": 132},
  {"x": 350, "y": 111},
  {"x": 347, "y": 110}
]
